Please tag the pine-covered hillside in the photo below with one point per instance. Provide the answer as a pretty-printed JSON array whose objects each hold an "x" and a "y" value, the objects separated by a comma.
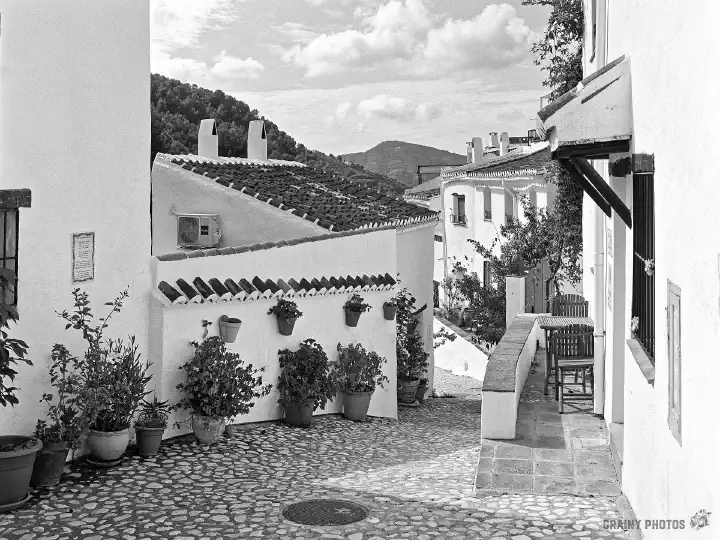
[{"x": 178, "y": 108}]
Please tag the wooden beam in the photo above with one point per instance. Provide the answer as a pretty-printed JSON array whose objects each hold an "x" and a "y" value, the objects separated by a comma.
[
  {"x": 605, "y": 190},
  {"x": 620, "y": 167},
  {"x": 593, "y": 150},
  {"x": 587, "y": 186},
  {"x": 643, "y": 163},
  {"x": 15, "y": 198}
]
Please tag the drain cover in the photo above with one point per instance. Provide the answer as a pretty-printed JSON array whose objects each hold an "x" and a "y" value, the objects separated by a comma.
[{"x": 325, "y": 512}]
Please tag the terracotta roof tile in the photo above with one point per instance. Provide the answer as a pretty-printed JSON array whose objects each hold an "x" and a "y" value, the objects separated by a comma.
[
  {"x": 330, "y": 201},
  {"x": 506, "y": 166}
]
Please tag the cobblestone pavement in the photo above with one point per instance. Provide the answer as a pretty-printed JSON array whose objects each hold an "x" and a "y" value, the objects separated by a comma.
[
  {"x": 415, "y": 477},
  {"x": 447, "y": 384}
]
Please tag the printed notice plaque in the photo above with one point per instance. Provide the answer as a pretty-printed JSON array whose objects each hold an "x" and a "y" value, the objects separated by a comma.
[{"x": 83, "y": 257}]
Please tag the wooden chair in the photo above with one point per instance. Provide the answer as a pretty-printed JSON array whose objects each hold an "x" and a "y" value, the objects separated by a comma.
[
  {"x": 573, "y": 350},
  {"x": 569, "y": 305}
]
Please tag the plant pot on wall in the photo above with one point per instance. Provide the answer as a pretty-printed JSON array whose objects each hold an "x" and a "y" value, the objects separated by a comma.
[
  {"x": 389, "y": 311},
  {"x": 49, "y": 464},
  {"x": 229, "y": 328},
  {"x": 16, "y": 467},
  {"x": 299, "y": 414},
  {"x": 352, "y": 317},
  {"x": 286, "y": 325}
]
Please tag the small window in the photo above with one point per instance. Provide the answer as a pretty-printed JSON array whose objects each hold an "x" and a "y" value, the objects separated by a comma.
[
  {"x": 674, "y": 360},
  {"x": 438, "y": 238},
  {"x": 533, "y": 198},
  {"x": 509, "y": 203},
  {"x": 458, "y": 211},
  {"x": 487, "y": 201},
  {"x": 643, "y": 284},
  {"x": 10, "y": 225}
]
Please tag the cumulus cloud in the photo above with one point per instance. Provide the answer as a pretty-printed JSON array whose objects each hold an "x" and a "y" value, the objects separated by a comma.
[
  {"x": 297, "y": 32},
  {"x": 178, "y": 25},
  {"x": 388, "y": 107},
  {"x": 401, "y": 35},
  {"x": 232, "y": 67}
]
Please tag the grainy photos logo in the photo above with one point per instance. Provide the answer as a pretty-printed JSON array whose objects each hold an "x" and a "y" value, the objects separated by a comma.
[{"x": 698, "y": 521}]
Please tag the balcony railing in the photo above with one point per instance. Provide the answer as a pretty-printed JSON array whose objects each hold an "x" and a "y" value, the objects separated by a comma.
[
  {"x": 458, "y": 219},
  {"x": 488, "y": 215}
]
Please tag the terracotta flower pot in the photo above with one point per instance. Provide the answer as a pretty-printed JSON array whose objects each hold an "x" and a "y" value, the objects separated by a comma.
[
  {"x": 229, "y": 328},
  {"x": 49, "y": 464},
  {"x": 352, "y": 317},
  {"x": 356, "y": 404},
  {"x": 299, "y": 414},
  {"x": 148, "y": 440},
  {"x": 16, "y": 468},
  {"x": 389, "y": 311},
  {"x": 285, "y": 326},
  {"x": 108, "y": 445},
  {"x": 207, "y": 430},
  {"x": 408, "y": 390},
  {"x": 420, "y": 392}
]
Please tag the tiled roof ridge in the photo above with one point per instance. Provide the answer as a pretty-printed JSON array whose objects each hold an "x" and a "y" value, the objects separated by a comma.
[
  {"x": 477, "y": 170},
  {"x": 220, "y": 160},
  {"x": 211, "y": 252},
  {"x": 426, "y": 216},
  {"x": 214, "y": 291}
]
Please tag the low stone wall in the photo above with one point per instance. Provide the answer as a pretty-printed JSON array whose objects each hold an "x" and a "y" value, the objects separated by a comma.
[
  {"x": 461, "y": 356},
  {"x": 505, "y": 375}
]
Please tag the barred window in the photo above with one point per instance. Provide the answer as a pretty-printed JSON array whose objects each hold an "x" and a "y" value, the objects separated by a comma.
[
  {"x": 10, "y": 226},
  {"x": 643, "y": 285}
]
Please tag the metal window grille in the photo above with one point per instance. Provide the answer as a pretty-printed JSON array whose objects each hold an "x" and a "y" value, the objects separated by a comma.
[
  {"x": 457, "y": 218},
  {"x": 488, "y": 215},
  {"x": 10, "y": 226},
  {"x": 643, "y": 288}
]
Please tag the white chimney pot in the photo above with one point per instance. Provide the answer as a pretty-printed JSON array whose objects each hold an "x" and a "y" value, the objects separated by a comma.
[
  {"x": 504, "y": 143},
  {"x": 257, "y": 141},
  {"x": 208, "y": 139}
]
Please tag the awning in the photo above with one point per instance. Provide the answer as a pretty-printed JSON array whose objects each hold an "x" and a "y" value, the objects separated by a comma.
[{"x": 593, "y": 120}]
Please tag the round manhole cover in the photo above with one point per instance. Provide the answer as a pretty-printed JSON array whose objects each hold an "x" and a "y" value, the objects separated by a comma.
[{"x": 325, "y": 512}]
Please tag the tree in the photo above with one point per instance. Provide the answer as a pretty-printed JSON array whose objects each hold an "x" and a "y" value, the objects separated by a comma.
[{"x": 559, "y": 50}]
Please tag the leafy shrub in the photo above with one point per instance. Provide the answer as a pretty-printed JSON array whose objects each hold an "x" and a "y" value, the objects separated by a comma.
[
  {"x": 357, "y": 303},
  {"x": 218, "y": 383},
  {"x": 12, "y": 350},
  {"x": 412, "y": 360},
  {"x": 112, "y": 378},
  {"x": 307, "y": 375},
  {"x": 153, "y": 414},
  {"x": 285, "y": 309},
  {"x": 359, "y": 370}
]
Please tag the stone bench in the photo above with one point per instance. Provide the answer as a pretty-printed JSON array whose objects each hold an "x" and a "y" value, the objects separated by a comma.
[{"x": 505, "y": 375}]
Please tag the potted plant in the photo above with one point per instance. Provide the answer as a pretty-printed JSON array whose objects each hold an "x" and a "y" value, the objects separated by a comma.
[
  {"x": 113, "y": 377},
  {"x": 17, "y": 452},
  {"x": 286, "y": 312},
  {"x": 67, "y": 418},
  {"x": 218, "y": 385},
  {"x": 150, "y": 426},
  {"x": 389, "y": 309},
  {"x": 355, "y": 307},
  {"x": 421, "y": 390},
  {"x": 307, "y": 381},
  {"x": 229, "y": 328},
  {"x": 412, "y": 359},
  {"x": 359, "y": 372}
]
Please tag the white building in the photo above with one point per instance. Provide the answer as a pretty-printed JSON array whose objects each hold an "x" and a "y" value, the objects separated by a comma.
[
  {"x": 651, "y": 245},
  {"x": 75, "y": 131}
]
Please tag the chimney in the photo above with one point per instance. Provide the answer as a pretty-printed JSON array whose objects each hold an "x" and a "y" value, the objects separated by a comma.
[
  {"x": 504, "y": 143},
  {"x": 208, "y": 139},
  {"x": 477, "y": 150},
  {"x": 469, "y": 152},
  {"x": 257, "y": 140},
  {"x": 494, "y": 139}
]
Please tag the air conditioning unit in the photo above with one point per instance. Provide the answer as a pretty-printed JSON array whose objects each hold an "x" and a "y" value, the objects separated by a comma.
[{"x": 198, "y": 230}]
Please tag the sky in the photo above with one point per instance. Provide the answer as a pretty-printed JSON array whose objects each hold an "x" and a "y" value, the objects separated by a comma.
[{"x": 341, "y": 76}]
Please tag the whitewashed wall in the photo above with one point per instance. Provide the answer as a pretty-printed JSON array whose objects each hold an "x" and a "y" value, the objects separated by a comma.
[
  {"x": 258, "y": 341},
  {"x": 673, "y": 101},
  {"x": 75, "y": 129},
  {"x": 415, "y": 267},
  {"x": 244, "y": 220}
]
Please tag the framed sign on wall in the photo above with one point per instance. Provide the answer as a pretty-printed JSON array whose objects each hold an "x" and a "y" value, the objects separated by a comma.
[{"x": 83, "y": 257}]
